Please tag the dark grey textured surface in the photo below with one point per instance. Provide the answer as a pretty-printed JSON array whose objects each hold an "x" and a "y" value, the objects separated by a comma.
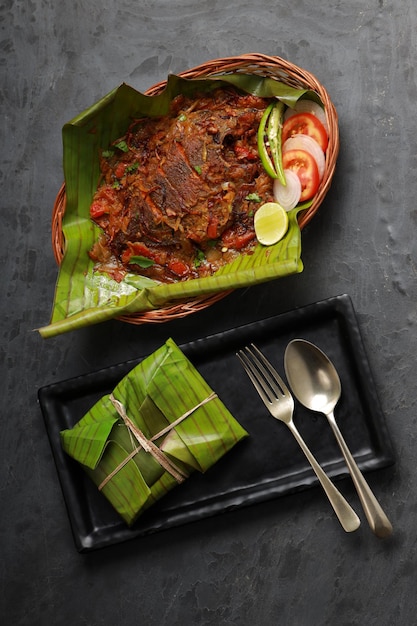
[{"x": 285, "y": 562}]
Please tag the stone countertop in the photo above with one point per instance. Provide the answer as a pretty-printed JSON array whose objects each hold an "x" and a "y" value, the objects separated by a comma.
[{"x": 285, "y": 561}]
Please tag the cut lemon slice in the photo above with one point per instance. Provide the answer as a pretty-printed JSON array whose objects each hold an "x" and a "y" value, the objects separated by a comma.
[{"x": 271, "y": 223}]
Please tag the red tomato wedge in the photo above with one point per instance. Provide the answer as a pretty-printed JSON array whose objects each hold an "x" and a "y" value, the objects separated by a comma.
[
  {"x": 305, "y": 124},
  {"x": 305, "y": 166}
]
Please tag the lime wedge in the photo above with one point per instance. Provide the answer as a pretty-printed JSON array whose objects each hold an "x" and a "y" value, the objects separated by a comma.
[{"x": 271, "y": 223}]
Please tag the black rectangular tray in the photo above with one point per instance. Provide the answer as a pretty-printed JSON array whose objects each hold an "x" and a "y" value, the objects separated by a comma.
[{"x": 269, "y": 463}]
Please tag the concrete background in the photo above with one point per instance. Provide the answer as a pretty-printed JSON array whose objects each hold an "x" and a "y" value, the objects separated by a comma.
[{"x": 284, "y": 562}]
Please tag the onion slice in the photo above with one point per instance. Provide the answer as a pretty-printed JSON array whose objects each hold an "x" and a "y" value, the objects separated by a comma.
[
  {"x": 308, "y": 106},
  {"x": 304, "y": 142},
  {"x": 288, "y": 196}
]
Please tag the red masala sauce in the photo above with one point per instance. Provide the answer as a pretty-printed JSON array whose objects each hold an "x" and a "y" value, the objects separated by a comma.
[{"x": 178, "y": 193}]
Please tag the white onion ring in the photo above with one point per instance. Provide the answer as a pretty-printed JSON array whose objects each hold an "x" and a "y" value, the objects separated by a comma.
[{"x": 288, "y": 196}]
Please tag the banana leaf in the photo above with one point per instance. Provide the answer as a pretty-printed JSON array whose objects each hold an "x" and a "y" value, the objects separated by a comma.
[
  {"x": 84, "y": 296},
  {"x": 157, "y": 393}
]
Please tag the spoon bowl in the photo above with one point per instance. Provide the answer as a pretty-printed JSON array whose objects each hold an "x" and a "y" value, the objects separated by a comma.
[
  {"x": 312, "y": 376},
  {"x": 316, "y": 385}
]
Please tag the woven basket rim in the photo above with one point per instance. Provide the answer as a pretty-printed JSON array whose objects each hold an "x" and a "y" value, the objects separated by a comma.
[{"x": 257, "y": 63}]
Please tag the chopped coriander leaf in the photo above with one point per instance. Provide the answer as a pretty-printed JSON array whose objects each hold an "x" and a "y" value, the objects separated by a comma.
[
  {"x": 132, "y": 168},
  {"x": 122, "y": 145},
  {"x": 254, "y": 197},
  {"x": 182, "y": 117},
  {"x": 142, "y": 261},
  {"x": 107, "y": 153},
  {"x": 197, "y": 169},
  {"x": 200, "y": 258}
]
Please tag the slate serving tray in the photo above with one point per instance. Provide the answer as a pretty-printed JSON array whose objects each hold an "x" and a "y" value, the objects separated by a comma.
[{"x": 269, "y": 463}]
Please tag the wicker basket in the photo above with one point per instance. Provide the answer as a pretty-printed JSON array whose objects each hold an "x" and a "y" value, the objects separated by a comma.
[{"x": 263, "y": 65}]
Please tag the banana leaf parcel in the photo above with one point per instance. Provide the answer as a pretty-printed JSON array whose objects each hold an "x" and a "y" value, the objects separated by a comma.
[
  {"x": 84, "y": 296},
  {"x": 160, "y": 423}
]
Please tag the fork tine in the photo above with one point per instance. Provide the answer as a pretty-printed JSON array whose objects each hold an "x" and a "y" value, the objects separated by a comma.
[
  {"x": 257, "y": 381},
  {"x": 262, "y": 374},
  {"x": 273, "y": 377}
]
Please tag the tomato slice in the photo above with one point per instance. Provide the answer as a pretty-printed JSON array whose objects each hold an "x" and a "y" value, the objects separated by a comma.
[
  {"x": 304, "y": 142},
  {"x": 305, "y": 124},
  {"x": 305, "y": 166},
  {"x": 308, "y": 106}
]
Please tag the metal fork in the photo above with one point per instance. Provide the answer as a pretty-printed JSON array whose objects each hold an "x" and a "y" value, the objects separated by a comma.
[{"x": 280, "y": 403}]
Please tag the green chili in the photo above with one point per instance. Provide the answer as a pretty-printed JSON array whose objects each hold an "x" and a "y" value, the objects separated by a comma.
[
  {"x": 269, "y": 140},
  {"x": 262, "y": 147},
  {"x": 274, "y": 134}
]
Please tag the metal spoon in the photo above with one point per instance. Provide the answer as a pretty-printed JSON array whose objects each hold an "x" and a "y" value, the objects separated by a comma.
[{"x": 316, "y": 384}]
